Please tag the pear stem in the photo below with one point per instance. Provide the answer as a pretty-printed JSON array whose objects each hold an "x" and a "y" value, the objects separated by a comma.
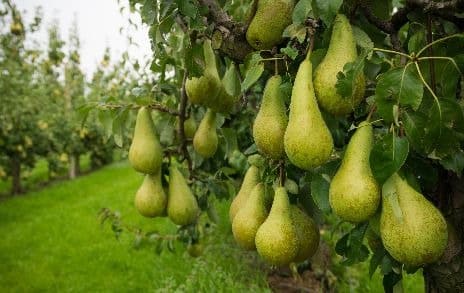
[
  {"x": 393, "y": 52},
  {"x": 282, "y": 172},
  {"x": 371, "y": 112}
]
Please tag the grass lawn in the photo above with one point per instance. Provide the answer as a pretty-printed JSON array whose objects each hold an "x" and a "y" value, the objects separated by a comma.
[{"x": 51, "y": 241}]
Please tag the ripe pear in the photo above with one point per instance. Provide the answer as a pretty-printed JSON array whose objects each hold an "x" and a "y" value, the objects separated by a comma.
[
  {"x": 250, "y": 180},
  {"x": 249, "y": 218},
  {"x": 342, "y": 50},
  {"x": 354, "y": 194},
  {"x": 205, "y": 141},
  {"x": 412, "y": 229},
  {"x": 145, "y": 154},
  {"x": 202, "y": 90},
  {"x": 271, "y": 120},
  {"x": 182, "y": 204},
  {"x": 277, "y": 240},
  {"x": 150, "y": 199},
  {"x": 307, "y": 140},
  {"x": 308, "y": 234},
  {"x": 269, "y": 22}
]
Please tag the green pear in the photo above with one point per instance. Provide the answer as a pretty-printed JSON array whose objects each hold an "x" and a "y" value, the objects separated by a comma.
[
  {"x": 412, "y": 229},
  {"x": 182, "y": 204},
  {"x": 249, "y": 218},
  {"x": 150, "y": 199},
  {"x": 342, "y": 50},
  {"x": 250, "y": 180},
  {"x": 307, "y": 140},
  {"x": 308, "y": 234},
  {"x": 354, "y": 194},
  {"x": 229, "y": 93},
  {"x": 145, "y": 154},
  {"x": 269, "y": 22},
  {"x": 202, "y": 90},
  {"x": 271, "y": 120},
  {"x": 205, "y": 141},
  {"x": 190, "y": 127},
  {"x": 276, "y": 239}
]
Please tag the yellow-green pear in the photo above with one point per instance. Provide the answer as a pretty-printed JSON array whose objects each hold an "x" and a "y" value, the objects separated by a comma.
[
  {"x": 412, "y": 229},
  {"x": 269, "y": 22},
  {"x": 308, "y": 234},
  {"x": 202, "y": 90},
  {"x": 250, "y": 180},
  {"x": 205, "y": 141},
  {"x": 145, "y": 154},
  {"x": 182, "y": 204},
  {"x": 354, "y": 194},
  {"x": 150, "y": 199},
  {"x": 271, "y": 120},
  {"x": 307, "y": 140},
  {"x": 342, "y": 50},
  {"x": 276, "y": 239},
  {"x": 249, "y": 218},
  {"x": 190, "y": 127}
]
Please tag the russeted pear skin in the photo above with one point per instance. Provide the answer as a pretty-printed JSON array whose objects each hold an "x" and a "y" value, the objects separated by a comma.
[
  {"x": 145, "y": 150},
  {"x": 277, "y": 240},
  {"x": 271, "y": 18},
  {"x": 182, "y": 204},
  {"x": 342, "y": 50},
  {"x": 202, "y": 90},
  {"x": 271, "y": 120},
  {"x": 308, "y": 234},
  {"x": 150, "y": 199},
  {"x": 412, "y": 229},
  {"x": 354, "y": 194},
  {"x": 249, "y": 218},
  {"x": 307, "y": 140},
  {"x": 205, "y": 141},
  {"x": 250, "y": 180}
]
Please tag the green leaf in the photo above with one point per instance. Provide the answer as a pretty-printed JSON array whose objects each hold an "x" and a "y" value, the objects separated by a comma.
[
  {"x": 376, "y": 260},
  {"x": 387, "y": 156},
  {"x": 326, "y": 9},
  {"x": 320, "y": 192},
  {"x": 414, "y": 124},
  {"x": 347, "y": 80},
  {"x": 417, "y": 41},
  {"x": 362, "y": 39},
  {"x": 295, "y": 30},
  {"x": 454, "y": 162},
  {"x": 351, "y": 245},
  {"x": 252, "y": 75},
  {"x": 231, "y": 81},
  {"x": 290, "y": 52},
  {"x": 187, "y": 8},
  {"x": 149, "y": 11},
  {"x": 390, "y": 281},
  {"x": 403, "y": 84},
  {"x": 193, "y": 58},
  {"x": 301, "y": 11}
]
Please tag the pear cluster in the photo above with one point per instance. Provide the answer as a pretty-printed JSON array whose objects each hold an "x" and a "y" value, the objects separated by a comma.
[
  {"x": 145, "y": 156},
  {"x": 281, "y": 234}
]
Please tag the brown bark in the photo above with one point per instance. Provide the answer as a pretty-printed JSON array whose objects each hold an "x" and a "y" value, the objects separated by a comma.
[{"x": 16, "y": 176}]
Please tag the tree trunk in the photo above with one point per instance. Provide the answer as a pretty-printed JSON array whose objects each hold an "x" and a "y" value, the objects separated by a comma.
[
  {"x": 74, "y": 166},
  {"x": 16, "y": 176},
  {"x": 448, "y": 274}
]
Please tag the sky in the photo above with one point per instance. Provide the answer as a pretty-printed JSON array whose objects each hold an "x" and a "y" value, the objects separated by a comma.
[{"x": 99, "y": 23}]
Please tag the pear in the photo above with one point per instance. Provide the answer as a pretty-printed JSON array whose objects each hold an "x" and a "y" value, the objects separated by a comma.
[
  {"x": 145, "y": 154},
  {"x": 276, "y": 239},
  {"x": 190, "y": 127},
  {"x": 271, "y": 120},
  {"x": 412, "y": 229},
  {"x": 202, "y": 90},
  {"x": 342, "y": 50},
  {"x": 249, "y": 218},
  {"x": 307, "y": 232},
  {"x": 307, "y": 140},
  {"x": 354, "y": 194},
  {"x": 250, "y": 180},
  {"x": 205, "y": 141},
  {"x": 269, "y": 22},
  {"x": 182, "y": 204},
  {"x": 150, "y": 199}
]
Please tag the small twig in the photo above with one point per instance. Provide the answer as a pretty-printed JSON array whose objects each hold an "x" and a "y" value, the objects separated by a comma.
[
  {"x": 431, "y": 63},
  {"x": 282, "y": 172},
  {"x": 371, "y": 112}
]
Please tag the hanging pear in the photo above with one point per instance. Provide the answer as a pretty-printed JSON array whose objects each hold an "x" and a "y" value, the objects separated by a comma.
[
  {"x": 276, "y": 239},
  {"x": 205, "y": 141},
  {"x": 202, "y": 90},
  {"x": 307, "y": 140},
  {"x": 269, "y": 22},
  {"x": 182, "y": 204},
  {"x": 150, "y": 199},
  {"x": 271, "y": 120},
  {"x": 249, "y": 218},
  {"x": 145, "y": 154},
  {"x": 250, "y": 180},
  {"x": 342, "y": 50},
  {"x": 354, "y": 194},
  {"x": 412, "y": 229},
  {"x": 190, "y": 127}
]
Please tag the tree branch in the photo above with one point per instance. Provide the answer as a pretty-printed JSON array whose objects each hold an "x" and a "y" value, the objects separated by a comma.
[{"x": 181, "y": 129}]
